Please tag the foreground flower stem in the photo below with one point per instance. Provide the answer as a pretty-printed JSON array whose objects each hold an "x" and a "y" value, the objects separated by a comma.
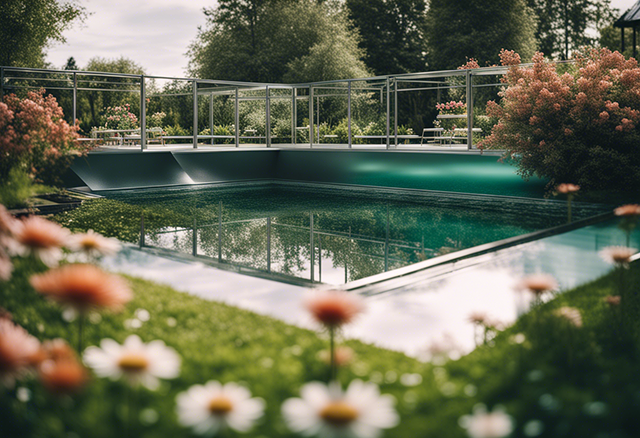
[
  {"x": 569, "y": 199},
  {"x": 332, "y": 352},
  {"x": 80, "y": 327}
]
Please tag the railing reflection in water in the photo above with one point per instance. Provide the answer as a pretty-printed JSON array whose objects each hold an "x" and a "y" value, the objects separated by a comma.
[{"x": 290, "y": 245}]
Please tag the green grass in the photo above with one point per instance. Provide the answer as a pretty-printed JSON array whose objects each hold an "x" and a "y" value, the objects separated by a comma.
[{"x": 575, "y": 382}]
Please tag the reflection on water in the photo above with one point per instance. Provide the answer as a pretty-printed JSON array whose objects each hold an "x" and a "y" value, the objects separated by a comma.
[{"x": 336, "y": 236}]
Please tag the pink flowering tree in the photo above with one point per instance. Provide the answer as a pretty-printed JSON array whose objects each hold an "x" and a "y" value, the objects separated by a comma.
[
  {"x": 580, "y": 126},
  {"x": 35, "y": 139}
]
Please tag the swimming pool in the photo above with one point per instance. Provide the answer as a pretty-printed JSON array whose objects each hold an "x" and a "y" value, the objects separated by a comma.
[{"x": 310, "y": 233}]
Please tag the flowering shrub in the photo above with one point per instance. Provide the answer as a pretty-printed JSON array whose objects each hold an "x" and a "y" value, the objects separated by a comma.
[
  {"x": 34, "y": 137},
  {"x": 579, "y": 126},
  {"x": 120, "y": 117},
  {"x": 452, "y": 107},
  {"x": 155, "y": 120}
]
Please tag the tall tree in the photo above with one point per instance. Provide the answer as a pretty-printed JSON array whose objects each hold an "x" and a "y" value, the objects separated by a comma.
[
  {"x": 28, "y": 27},
  {"x": 263, "y": 40},
  {"x": 392, "y": 34},
  {"x": 565, "y": 25},
  {"x": 460, "y": 29}
]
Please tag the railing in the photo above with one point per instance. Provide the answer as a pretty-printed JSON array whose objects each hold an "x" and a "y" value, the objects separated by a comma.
[{"x": 387, "y": 89}]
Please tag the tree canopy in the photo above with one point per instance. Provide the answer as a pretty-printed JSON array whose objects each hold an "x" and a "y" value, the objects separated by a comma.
[
  {"x": 563, "y": 24},
  {"x": 392, "y": 34},
  {"x": 460, "y": 29},
  {"x": 28, "y": 27},
  {"x": 268, "y": 40}
]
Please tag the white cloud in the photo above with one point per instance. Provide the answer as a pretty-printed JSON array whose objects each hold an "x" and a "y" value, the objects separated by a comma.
[{"x": 154, "y": 33}]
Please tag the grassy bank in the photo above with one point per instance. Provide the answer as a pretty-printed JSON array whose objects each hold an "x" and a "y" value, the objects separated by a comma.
[{"x": 556, "y": 380}]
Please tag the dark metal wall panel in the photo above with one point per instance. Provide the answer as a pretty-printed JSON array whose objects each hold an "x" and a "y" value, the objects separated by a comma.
[
  {"x": 451, "y": 172},
  {"x": 222, "y": 166},
  {"x": 124, "y": 170}
]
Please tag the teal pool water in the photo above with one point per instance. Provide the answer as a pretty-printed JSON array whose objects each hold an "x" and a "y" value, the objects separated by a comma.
[{"x": 330, "y": 235}]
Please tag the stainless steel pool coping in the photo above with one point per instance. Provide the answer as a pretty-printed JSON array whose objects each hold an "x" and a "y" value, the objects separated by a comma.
[{"x": 398, "y": 277}]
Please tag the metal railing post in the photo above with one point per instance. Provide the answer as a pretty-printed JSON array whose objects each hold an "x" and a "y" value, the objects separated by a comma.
[
  {"x": 143, "y": 115},
  {"x": 469, "y": 110},
  {"x": 294, "y": 114},
  {"x": 395, "y": 111},
  {"x": 75, "y": 99},
  {"x": 220, "y": 232},
  {"x": 310, "y": 116},
  {"x": 311, "y": 246},
  {"x": 194, "y": 247},
  {"x": 195, "y": 114},
  {"x": 268, "y": 118},
  {"x": 320, "y": 258},
  {"x": 386, "y": 244},
  {"x": 237, "y": 120},
  {"x": 318, "y": 118},
  {"x": 1, "y": 84},
  {"x": 388, "y": 111},
  {"x": 141, "y": 241},
  {"x": 268, "y": 244},
  {"x": 213, "y": 140},
  {"x": 349, "y": 113}
]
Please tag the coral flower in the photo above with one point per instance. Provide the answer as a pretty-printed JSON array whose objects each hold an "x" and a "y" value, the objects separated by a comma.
[
  {"x": 17, "y": 347},
  {"x": 343, "y": 356},
  {"x": 538, "y": 284},
  {"x": 61, "y": 373},
  {"x": 571, "y": 314},
  {"x": 83, "y": 287},
  {"x": 617, "y": 255},
  {"x": 567, "y": 189},
  {"x": 483, "y": 424},
  {"x": 612, "y": 300},
  {"x": 209, "y": 408},
  {"x": 334, "y": 308},
  {"x": 93, "y": 244},
  {"x": 327, "y": 411},
  {"x": 478, "y": 318},
  {"x": 39, "y": 237},
  {"x": 6, "y": 267},
  {"x": 137, "y": 362},
  {"x": 628, "y": 210}
]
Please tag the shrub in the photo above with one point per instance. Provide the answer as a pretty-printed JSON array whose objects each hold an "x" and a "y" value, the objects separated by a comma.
[
  {"x": 120, "y": 117},
  {"x": 35, "y": 138},
  {"x": 155, "y": 120},
  {"x": 580, "y": 126}
]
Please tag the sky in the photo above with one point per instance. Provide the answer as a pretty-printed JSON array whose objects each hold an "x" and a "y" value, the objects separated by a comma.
[{"x": 154, "y": 33}]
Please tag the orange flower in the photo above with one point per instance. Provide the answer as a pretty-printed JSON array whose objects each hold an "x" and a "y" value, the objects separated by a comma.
[
  {"x": 617, "y": 255},
  {"x": 628, "y": 210},
  {"x": 538, "y": 284},
  {"x": 567, "y": 188},
  {"x": 60, "y": 372},
  {"x": 16, "y": 348},
  {"x": 83, "y": 287},
  {"x": 6, "y": 267},
  {"x": 39, "y": 237},
  {"x": 63, "y": 376},
  {"x": 334, "y": 308},
  {"x": 93, "y": 244},
  {"x": 612, "y": 300}
]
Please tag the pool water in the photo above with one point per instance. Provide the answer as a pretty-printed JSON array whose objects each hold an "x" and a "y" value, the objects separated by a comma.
[{"x": 335, "y": 235}]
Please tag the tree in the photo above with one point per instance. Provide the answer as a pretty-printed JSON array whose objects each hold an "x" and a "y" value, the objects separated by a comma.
[
  {"x": 460, "y": 29},
  {"x": 28, "y": 27},
  {"x": 392, "y": 34},
  {"x": 563, "y": 25},
  {"x": 96, "y": 101},
  {"x": 70, "y": 64},
  {"x": 259, "y": 40}
]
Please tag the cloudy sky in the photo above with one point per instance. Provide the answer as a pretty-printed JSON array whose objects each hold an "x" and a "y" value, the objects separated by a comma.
[{"x": 154, "y": 33}]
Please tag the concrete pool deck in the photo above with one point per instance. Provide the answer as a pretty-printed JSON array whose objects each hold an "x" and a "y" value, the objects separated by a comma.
[{"x": 416, "y": 316}]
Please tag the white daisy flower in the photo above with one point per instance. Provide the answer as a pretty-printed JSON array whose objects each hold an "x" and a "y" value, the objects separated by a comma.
[
  {"x": 93, "y": 245},
  {"x": 483, "y": 424},
  {"x": 209, "y": 408},
  {"x": 328, "y": 412},
  {"x": 137, "y": 362},
  {"x": 617, "y": 255}
]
